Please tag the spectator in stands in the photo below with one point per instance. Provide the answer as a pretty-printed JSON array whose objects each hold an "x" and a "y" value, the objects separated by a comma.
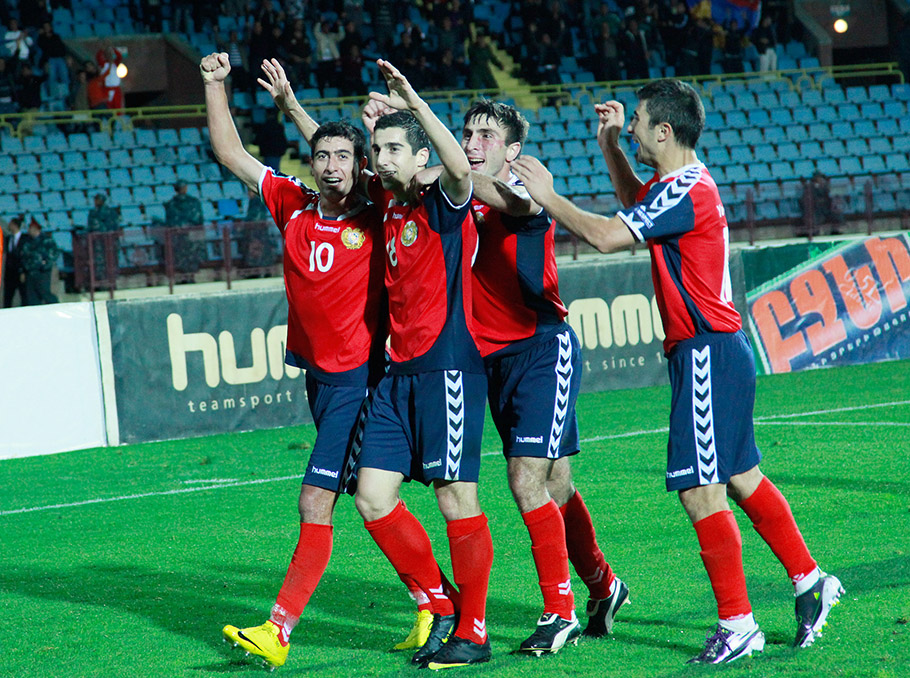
[
  {"x": 350, "y": 82},
  {"x": 408, "y": 53},
  {"x": 635, "y": 50},
  {"x": 352, "y": 36},
  {"x": 549, "y": 59},
  {"x": 384, "y": 20},
  {"x": 271, "y": 139},
  {"x": 34, "y": 13},
  {"x": 480, "y": 56},
  {"x": 181, "y": 212},
  {"x": 765, "y": 40},
  {"x": 257, "y": 248},
  {"x": 296, "y": 52},
  {"x": 151, "y": 14},
  {"x": 18, "y": 44},
  {"x": 328, "y": 34},
  {"x": 733, "y": 48},
  {"x": 53, "y": 58},
  {"x": 7, "y": 89},
  {"x": 269, "y": 16},
  {"x": 102, "y": 218},
  {"x": 237, "y": 53},
  {"x": 555, "y": 23},
  {"x": 39, "y": 254},
  {"x": 12, "y": 263},
  {"x": 604, "y": 62},
  {"x": 260, "y": 49},
  {"x": 903, "y": 46},
  {"x": 453, "y": 72},
  {"x": 108, "y": 59},
  {"x": 820, "y": 209},
  {"x": 448, "y": 36},
  {"x": 409, "y": 28},
  {"x": 28, "y": 88},
  {"x": 673, "y": 27}
]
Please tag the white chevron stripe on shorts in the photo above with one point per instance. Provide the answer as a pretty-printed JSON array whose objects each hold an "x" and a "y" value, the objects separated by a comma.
[
  {"x": 563, "y": 385},
  {"x": 703, "y": 416},
  {"x": 350, "y": 468},
  {"x": 454, "y": 423}
]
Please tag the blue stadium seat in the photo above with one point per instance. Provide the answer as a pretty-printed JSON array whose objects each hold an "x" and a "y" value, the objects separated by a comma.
[
  {"x": 74, "y": 179},
  {"x": 33, "y": 144},
  {"x": 781, "y": 116},
  {"x": 857, "y": 147},
  {"x": 580, "y": 165},
  {"x": 901, "y": 91},
  {"x": 79, "y": 141},
  {"x": 874, "y": 111},
  {"x": 165, "y": 193},
  {"x": 142, "y": 176},
  {"x": 730, "y": 137},
  {"x": 75, "y": 199},
  {"x": 767, "y": 210},
  {"x": 788, "y": 151},
  {"x": 797, "y": 133},
  {"x": 834, "y": 148},
  {"x": 169, "y": 137},
  {"x": 120, "y": 176},
  {"x": 820, "y": 131},
  {"x": 803, "y": 115},
  {"x": 141, "y": 156},
  {"x": 8, "y": 184},
  {"x": 164, "y": 174},
  {"x": 144, "y": 195},
  {"x": 752, "y": 136},
  {"x": 736, "y": 174},
  {"x": 789, "y": 99},
  {"x": 804, "y": 168},
  {"x": 228, "y": 208},
  {"x": 874, "y": 164},
  {"x": 155, "y": 212},
  {"x": 121, "y": 195},
  {"x": 763, "y": 152},
  {"x": 829, "y": 167},
  {"x": 233, "y": 189},
  {"x": 211, "y": 190},
  {"x": 73, "y": 160},
  {"x": 561, "y": 185},
  {"x": 124, "y": 138},
  {"x": 52, "y": 200},
  {"x": 209, "y": 171},
  {"x": 96, "y": 158},
  {"x": 811, "y": 150},
  {"x": 879, "y": 93},
  {"x": 782, "y": 170},
  {"x": 28, "y": 162},
  {"x": 850, "y": 166},
  {"x": 577, "y": 129},
  {"x": 759, "y": 171},
  {"x": 768, "y": 100},
  {"x": 165, "y": 155},
  {"x": 146, "y": 138},
  {"x": 101, "y": 140},
  {"x": 51, "y": 162},
  {"x": 191, "y": 136},
  {"x": 849, "y": 112},
  {"x": 897, "y": 162},
  {"x": 768, "y": 190},
  {"x": 736, "y": 119},
  {"x": 901, "y": 143},
  {"x": 52, "y": 181},
  {"x": 57, "y": 142},
  {"x": 775, "y": 135},
  {"x": 811, "y": 97},
  {"x": 893, "y": 109},
  {"x": 864, "y": 128},
  {"x": 131, "y": 215},
  {"x": 842, "y": 130},
  {"x": 574, "y": 148},
  {"x": 857, "y": 94},
  {"x": 723, "y": 102},
  {"x": 579, "y": 185},
  {"x": 717, "y": 155},
  {"x": 826, "y": 114},
  {"x": 97, "y": 178}
]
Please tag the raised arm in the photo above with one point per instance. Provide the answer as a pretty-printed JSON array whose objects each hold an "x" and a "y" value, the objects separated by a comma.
[
  {"x": 610, "y": 121},
  {"x": 456, "y": 175},
  {"x": 606, "y": 234},
  {"x": 278, "y": 85},
  {"x": 226, "y": 144}
]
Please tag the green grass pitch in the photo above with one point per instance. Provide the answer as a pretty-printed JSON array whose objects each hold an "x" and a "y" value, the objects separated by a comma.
[{"x": 128, "y": 561}]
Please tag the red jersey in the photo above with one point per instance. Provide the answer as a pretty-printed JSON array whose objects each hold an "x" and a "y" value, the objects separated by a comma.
[
  {"x": 682, "y": 219},
  {"x": 516, "y": 285},
  {"x": 429, "y": 246},
  {"x": 333, "y": 271}
]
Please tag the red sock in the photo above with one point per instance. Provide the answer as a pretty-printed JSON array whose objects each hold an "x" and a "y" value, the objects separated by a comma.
[
  {"x": 402, "y": 539},
  {"x": 773, "y": 520},
  {"x": 722, "y": 553},
  {"x": 471, "y": 548},
  {"x": 548, "y": 546},
  {"x": 311, "y": 556},
  {"x": 417, "y": 593},
  {"x": 584, "y": 553}
]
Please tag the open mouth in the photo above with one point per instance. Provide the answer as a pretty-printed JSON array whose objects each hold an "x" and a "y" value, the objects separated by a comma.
[{"x": 476, "y": 162}]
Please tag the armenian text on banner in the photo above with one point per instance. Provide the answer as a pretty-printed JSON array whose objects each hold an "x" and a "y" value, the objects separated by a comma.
[{"x": 851, "y": 305}]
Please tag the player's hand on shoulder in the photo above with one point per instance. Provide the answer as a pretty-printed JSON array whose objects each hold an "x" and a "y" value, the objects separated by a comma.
[
  {"x": 402, "y": 95},
  {"x": 610, "y": 121},
  {"x": 215, "y": 67},
  {"x": 536, "y": 178},
  {"x": 277, "y": 85}
]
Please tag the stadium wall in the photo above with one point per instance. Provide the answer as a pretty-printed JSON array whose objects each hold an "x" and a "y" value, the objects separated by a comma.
[{"x": 84, "y": 375}]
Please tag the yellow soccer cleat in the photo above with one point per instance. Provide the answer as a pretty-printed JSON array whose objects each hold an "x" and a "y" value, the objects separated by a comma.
[
  {"x": 261, "y": 641},
  {"x": 419, "y": 632}
]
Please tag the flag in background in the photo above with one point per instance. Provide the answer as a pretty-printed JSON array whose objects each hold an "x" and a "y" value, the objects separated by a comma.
[{"x": 746, "y": 12}]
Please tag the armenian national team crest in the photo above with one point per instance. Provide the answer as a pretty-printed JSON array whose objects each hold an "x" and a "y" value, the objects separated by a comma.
[
  {"x": 353, "y": 238},
  {"x": 409, "y": 234}
]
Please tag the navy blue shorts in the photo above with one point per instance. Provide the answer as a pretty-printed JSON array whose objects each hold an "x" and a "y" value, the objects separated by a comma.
[
  {"x": 711, "y": 436},
  {"x": 339, "y": 413},
  {"x": 427, "y": 426},
  {"x": 532, "y": 398}
]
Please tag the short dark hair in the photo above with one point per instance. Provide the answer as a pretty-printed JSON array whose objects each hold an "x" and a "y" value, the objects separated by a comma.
[
  {"x": 415, "y": 135},
  {"x": 343, "y": 130},
  {"x": 677, "y": 104},
  {"x": 508, "y": 117}
]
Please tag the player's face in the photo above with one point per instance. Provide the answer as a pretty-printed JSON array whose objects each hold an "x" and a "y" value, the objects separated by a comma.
[
  {"x": 394, "y": 160},
  {"x": 484, "y": 142},
  {"x": 644, "y": 135},
  {"x": 334, "y": 166}
]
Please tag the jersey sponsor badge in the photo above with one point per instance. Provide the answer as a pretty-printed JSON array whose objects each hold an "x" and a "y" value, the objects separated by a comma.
[
  {"x": 409, "y": 234},
  {"x": 353, "y": 238}
]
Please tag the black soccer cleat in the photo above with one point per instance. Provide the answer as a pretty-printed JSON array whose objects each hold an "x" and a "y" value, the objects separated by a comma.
[
  {"x": 812, "y": 609},
  {"x": 552, "y": 634},
  {"x": 602, "y": 612},
  {"x": 442, "y": 628},
  {"x": 460, "y": 652}
]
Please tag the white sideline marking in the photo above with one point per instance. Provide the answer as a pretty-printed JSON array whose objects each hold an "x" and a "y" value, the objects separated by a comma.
[
  {"x": 629, "y": 434},
  {"x": 104, "y": 500}
]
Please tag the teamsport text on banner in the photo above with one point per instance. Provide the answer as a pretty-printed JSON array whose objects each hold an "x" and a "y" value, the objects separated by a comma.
[
  {"x": 846, "y": 307},
  {"x": 198, "y": 365}
]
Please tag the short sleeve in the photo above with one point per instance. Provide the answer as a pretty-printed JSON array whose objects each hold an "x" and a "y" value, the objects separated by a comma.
[{"x": 284, "y": 196}]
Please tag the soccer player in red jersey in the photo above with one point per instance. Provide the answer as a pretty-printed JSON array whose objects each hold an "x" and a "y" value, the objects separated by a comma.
[
  {"x": 711, "y": 451},
  {"x": 426, "y": 419},
  {"x": 532, "y": 359},
  {"x": 333, "y": 266}
]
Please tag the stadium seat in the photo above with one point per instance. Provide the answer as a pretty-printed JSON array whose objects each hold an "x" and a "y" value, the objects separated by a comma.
[
  {"x": 97, "y": 179},
  {"x": 874, "y": 164},
  {"x": 842, "y": 130},
  {"x": 879, "y": 93},
  {"x": 120, "y": 176},
  {"x": 141, "y": 156},
  {"x": 797, "y": 133},
  {"x": 741, "y": 154},
  {"x": 782, "y": 170},
  {"x": 52, "y": 200},
  {"x": 209, "y": 171},
  {"x": 752, "y": 136},
  {"x": 857, "y": 94},
  {"x": 850, "y": 166},
  {"x": 79, "y": 141},
  {"x": 730, "y": 137},
  {"x": 144, "y": 195},
  {"x": 775, "y": 135},
  {"x": 829, "y": 167},
  {"x": 758, "y": 117},
  {"x": 804, "y": 168},
  {"x": 143, "y": 176},
  {"x": 811, "y": 97},
  {"x": 736, "y": 174},
  {"x": 865, "y": 128},
  {"x": 146, "y": 138},
  {"x": 834, "y": 148},
  {"x": 857, "y": 147},
  {"x": 191, "y": 136},
  {"x": 804, "y": 115},
  {"x": 8, "y": 184},
  {"x": 788, "y": 151},
  {"x": 169, "y": 137},
  {"x": 850, "y": 112},
  {"x": 736, "y": 119},
  {"x": 28, "y": 183},
  {"x": 75, "y": 199},
  {"x": 73, "y": 160},
  {"x": 759, "y": 171},
  {"x": 228, "y": 208},
  {"x": 811, "y": 150},
  {"x": 717, "y": 155},
  {"x": 826, "y": 114},
  {"x": 579, "y": 185},
  {"x": 574, "y": 148},
  {"x": 100, "y": 140},
  {"x": 768, "y": 100},
  {"x": 901, "y": 143},
  {"x": 121, "y": 195},
  {"x": 56, "y": 142},
  {"x": 789, "y": 99},
  {"x": 125, "y": 138},
  {"x": 897, "y": 162},
  {"x": 901, "y": 91},
  {"x": 893, "y": 109},
  {"x": 33, "y": 144},
  {"x": 188, "y": 173},
  {"x": 781, "y": 116},
  {"x": 233, "y": 189}
]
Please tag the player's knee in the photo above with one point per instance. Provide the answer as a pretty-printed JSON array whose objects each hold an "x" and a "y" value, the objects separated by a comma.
[
  {"x": 457, "y": 500},
  {"x": 316, "y": 505}
]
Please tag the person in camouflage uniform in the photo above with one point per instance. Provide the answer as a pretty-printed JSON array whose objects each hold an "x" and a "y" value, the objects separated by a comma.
[
  {"x": 39, "y": 253},
  {"x": 256, "y": 246},
  {"x": 185, "y": 211},
  {"x": 102, "y": 219}
]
